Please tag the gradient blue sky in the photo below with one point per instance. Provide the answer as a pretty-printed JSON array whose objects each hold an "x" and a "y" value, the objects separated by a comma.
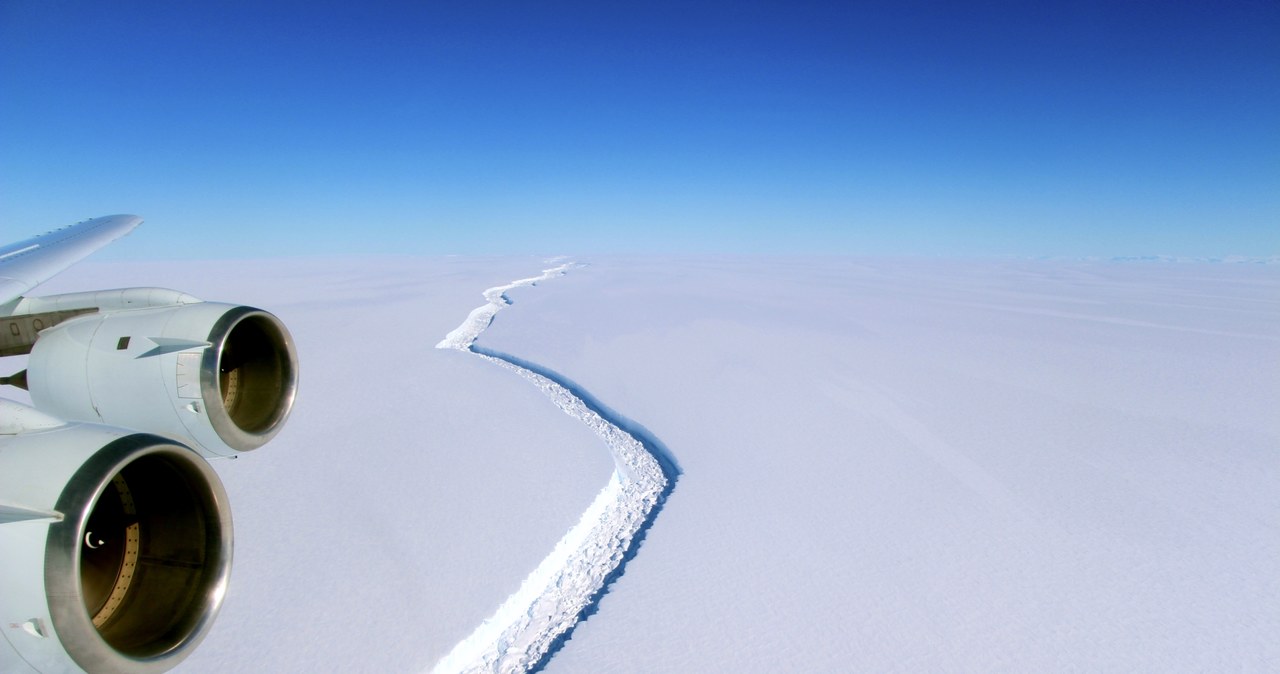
[{"x": 985, "y": 128}]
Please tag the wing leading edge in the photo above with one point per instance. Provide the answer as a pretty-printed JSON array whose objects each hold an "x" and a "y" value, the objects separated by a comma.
[{"x": 26, "y": 264}]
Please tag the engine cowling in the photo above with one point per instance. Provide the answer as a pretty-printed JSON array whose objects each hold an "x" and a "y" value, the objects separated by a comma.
[
  {"x": 131, "y": 568},
  {"x": 220, "y": 376}
]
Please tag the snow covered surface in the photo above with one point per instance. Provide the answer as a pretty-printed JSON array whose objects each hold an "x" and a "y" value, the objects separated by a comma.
[{"x": 883, "y": 465}]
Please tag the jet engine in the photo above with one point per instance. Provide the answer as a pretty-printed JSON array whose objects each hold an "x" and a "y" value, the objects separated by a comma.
[
  {"x": 119, "y": 557},
  {"x": 115, "y": 532},
  {"x": 219, "y": 376}
]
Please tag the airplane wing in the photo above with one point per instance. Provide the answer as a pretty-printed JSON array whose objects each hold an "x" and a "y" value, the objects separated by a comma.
[{"x": 27, "y": 264}]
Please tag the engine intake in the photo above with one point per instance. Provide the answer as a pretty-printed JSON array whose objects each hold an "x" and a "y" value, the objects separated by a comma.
[
  {"x": 135, "y": 571},
  {"x": 251, "y": 377}
]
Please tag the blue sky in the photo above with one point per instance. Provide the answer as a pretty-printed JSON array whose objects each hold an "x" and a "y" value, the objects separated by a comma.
[{"x": 247, "y": 129}]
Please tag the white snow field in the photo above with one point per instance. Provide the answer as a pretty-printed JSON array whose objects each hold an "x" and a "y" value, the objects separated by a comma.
[{"x": 875, "y": 465}]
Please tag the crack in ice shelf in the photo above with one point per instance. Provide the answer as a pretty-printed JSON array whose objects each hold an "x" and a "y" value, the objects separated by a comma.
[{"x": 553, "y": 597}]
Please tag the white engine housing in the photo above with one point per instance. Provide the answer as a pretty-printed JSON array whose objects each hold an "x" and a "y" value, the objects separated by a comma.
[
  {"x": 129, "y": 567},
  {"x": 220, "y": 376}
]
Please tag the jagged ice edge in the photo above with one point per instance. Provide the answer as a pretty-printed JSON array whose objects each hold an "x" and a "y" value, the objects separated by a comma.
[{"x": 552, "y": 598}]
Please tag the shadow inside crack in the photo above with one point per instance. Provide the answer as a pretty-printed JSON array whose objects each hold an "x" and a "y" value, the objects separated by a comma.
[
  {"x": 670, "y": 467},
  {"x": 666, "y": 462}
]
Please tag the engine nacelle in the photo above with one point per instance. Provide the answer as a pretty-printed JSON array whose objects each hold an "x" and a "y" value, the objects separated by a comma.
[
  {"x": 219, "y": 376},
  {"x": 129, "y": 568}
]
